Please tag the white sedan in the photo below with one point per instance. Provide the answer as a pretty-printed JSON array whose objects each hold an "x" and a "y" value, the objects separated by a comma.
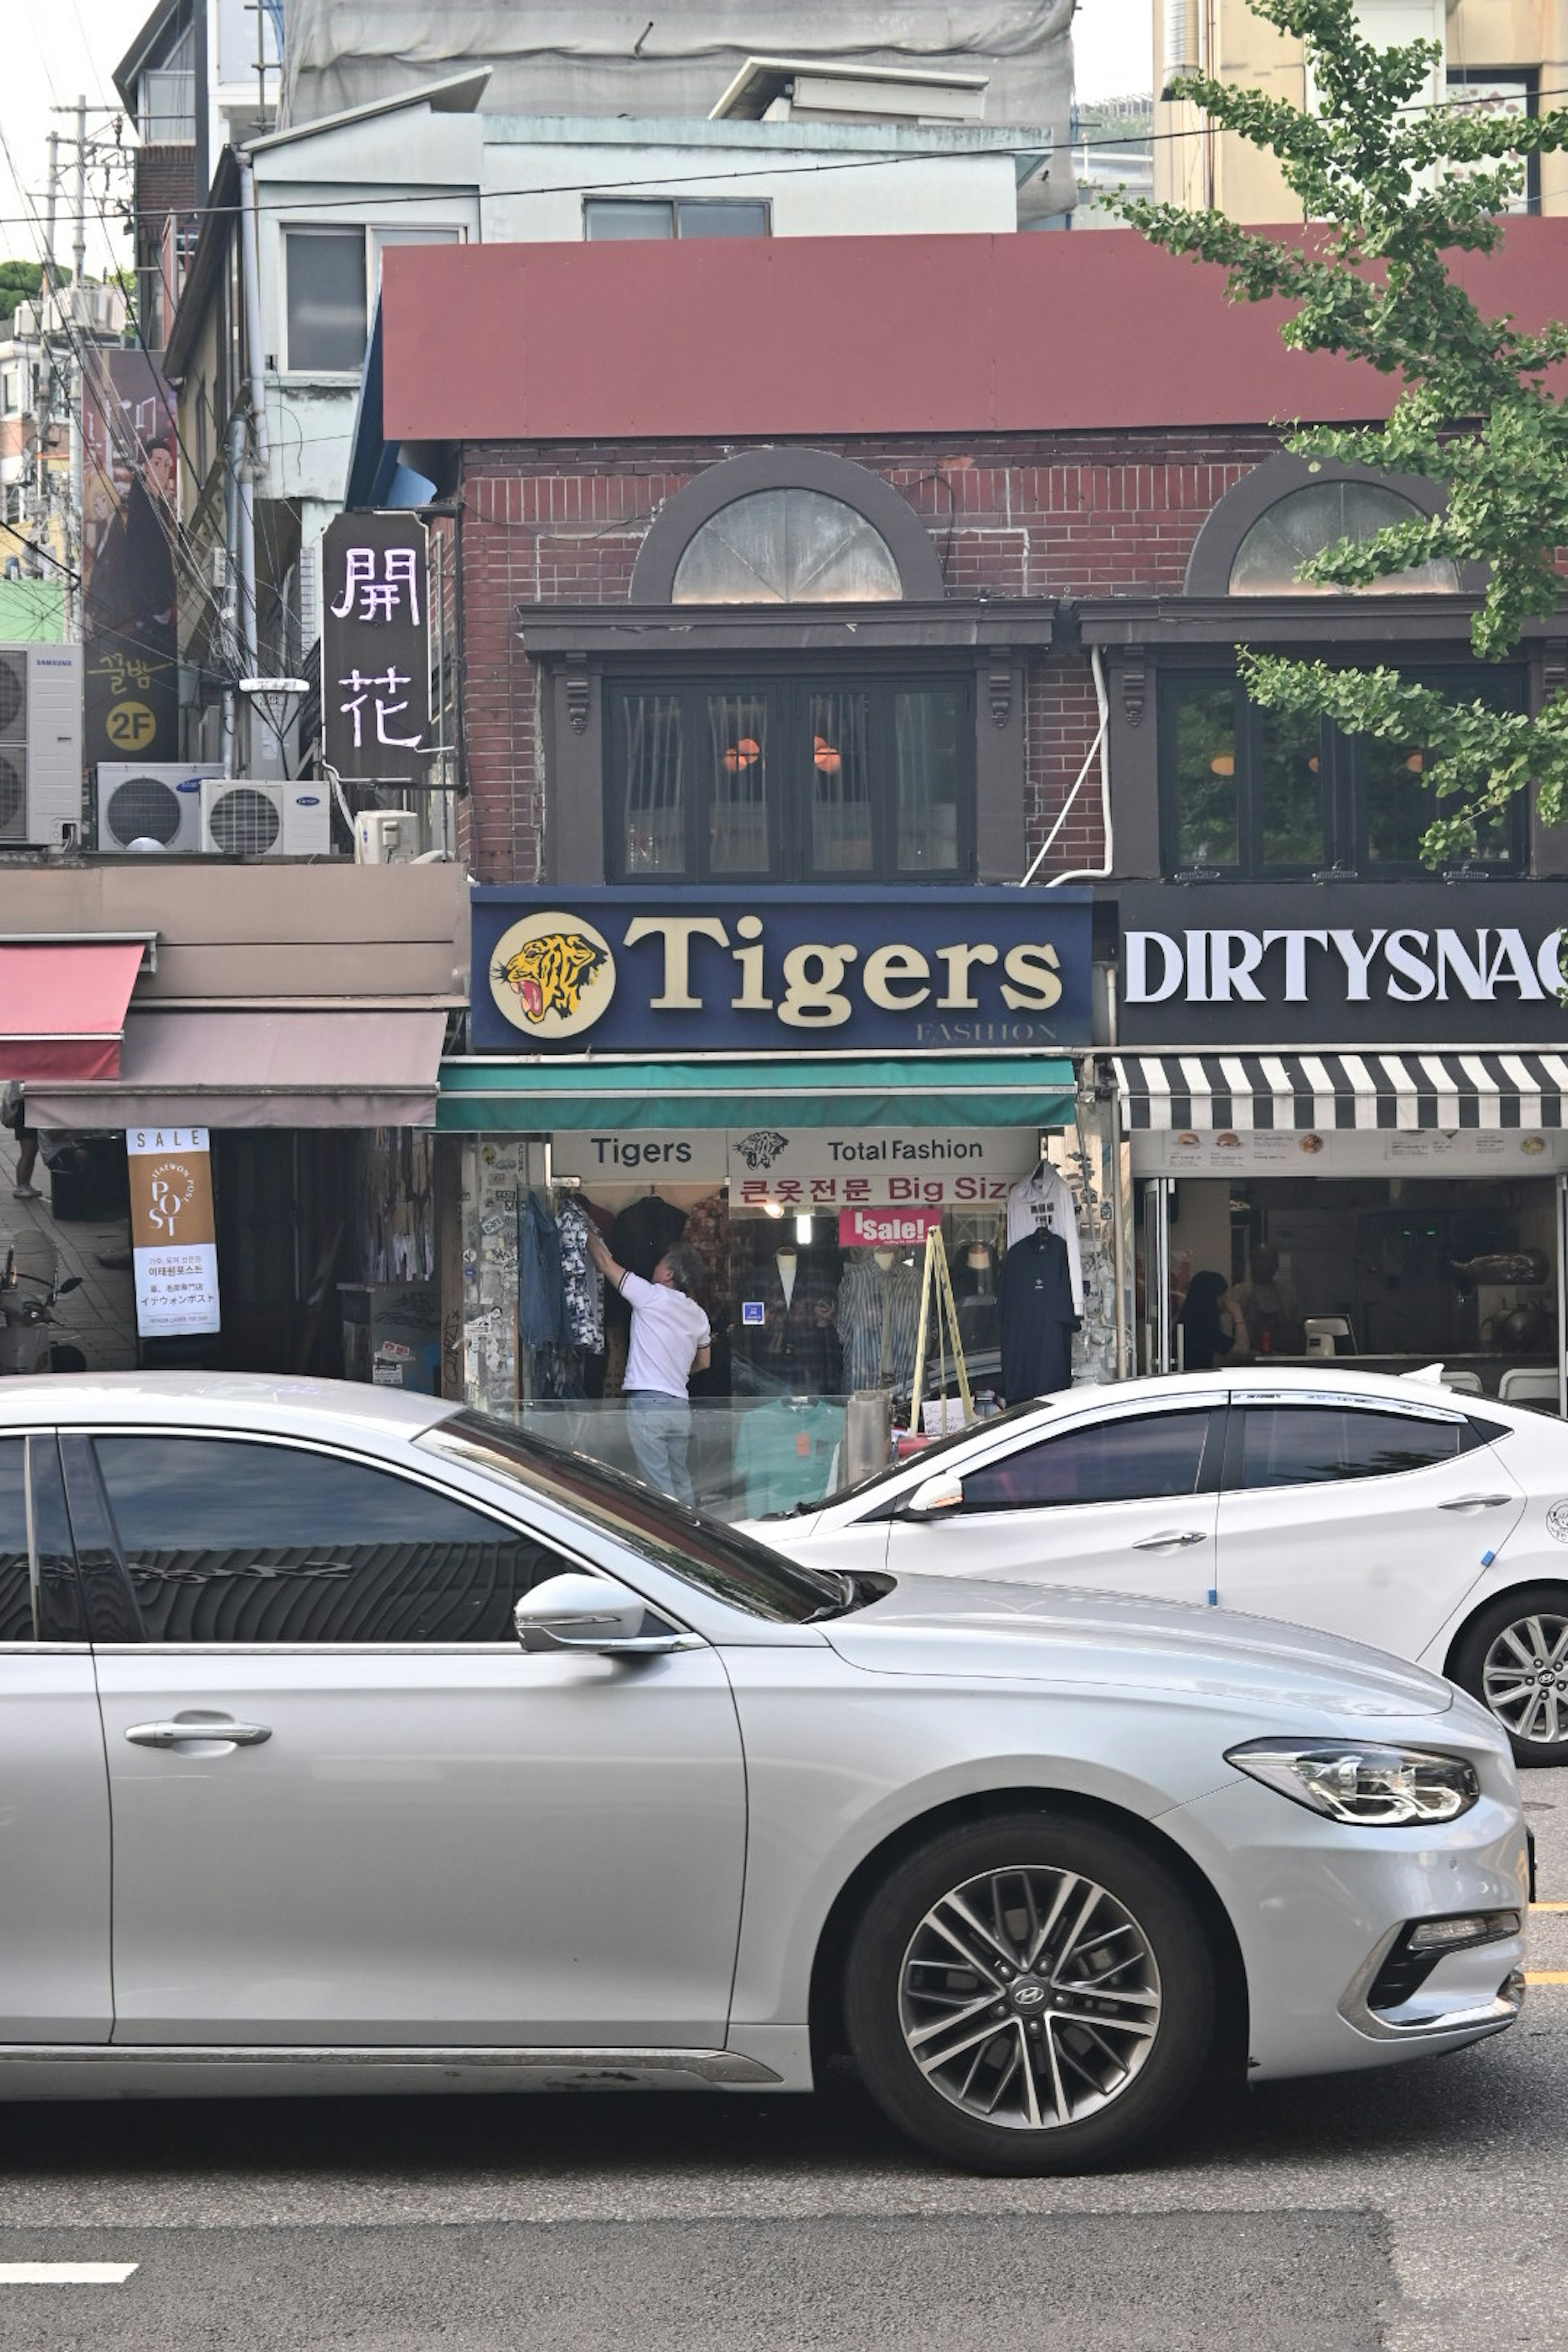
[{"x": 1391, "y": 1511}]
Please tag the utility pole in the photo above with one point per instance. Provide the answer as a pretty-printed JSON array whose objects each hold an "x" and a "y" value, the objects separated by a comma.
[{"x": 43, "y": 500}]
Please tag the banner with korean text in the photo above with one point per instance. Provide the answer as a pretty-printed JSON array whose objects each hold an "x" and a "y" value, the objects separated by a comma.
[{"x": 173, "y": 1237}]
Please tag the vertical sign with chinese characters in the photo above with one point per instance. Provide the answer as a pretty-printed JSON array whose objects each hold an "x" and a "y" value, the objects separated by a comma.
[
  {"x": 173, "y": 1237},
  {"x": 375, "y": 648}
]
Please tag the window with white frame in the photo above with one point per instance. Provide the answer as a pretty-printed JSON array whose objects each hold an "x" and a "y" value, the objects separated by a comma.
[
  {"x": 619, "y": 219},
  {"x": 330, "y": 278}
]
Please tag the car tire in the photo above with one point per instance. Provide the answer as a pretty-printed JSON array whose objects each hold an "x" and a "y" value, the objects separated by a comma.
[
  {"x": 1099, "y": 2038},
  {"x": 1504, "y": 1637}
]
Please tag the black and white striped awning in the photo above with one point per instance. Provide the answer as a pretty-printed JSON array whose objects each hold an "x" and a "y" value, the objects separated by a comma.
[{"x": 1308, "y": 1092}]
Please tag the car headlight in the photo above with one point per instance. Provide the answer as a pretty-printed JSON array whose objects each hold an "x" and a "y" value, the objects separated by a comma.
[{"x": 1360, "y": 1780}]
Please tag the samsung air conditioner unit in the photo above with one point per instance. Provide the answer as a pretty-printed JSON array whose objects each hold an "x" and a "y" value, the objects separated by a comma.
[
  {"x": 256, "y": 817},
  {"x": 41, "y": 745},
  {"x": 156, "y": 805}
]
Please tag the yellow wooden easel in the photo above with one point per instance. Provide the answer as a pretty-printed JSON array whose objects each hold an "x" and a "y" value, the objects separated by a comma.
[{"x": 936, "y": 1295}]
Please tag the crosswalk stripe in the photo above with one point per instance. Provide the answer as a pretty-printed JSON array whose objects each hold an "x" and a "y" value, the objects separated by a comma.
[{"x": 65, "y": 2273}]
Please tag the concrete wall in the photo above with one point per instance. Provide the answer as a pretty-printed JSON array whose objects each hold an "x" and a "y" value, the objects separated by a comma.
[
  {"x": 232, "y": 932},
  {"x": 1195, "y": 166}
]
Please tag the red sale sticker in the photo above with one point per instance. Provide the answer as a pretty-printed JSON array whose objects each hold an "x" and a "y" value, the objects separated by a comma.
[{"x": 886, "y": 1228}]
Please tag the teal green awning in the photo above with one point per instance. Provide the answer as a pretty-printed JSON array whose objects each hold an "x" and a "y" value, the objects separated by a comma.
[{"x": 479, "y": 1097}]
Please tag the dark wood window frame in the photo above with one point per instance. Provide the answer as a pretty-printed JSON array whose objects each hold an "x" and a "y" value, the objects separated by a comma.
[
  {"x": 1341, "y": 779},
  {"x": 1528, "y": 79},
  {"x": 787, "y": 690}
]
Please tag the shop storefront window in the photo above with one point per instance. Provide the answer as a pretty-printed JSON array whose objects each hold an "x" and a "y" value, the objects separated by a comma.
[
  {"x": 1248, "y": 792},
  {"x": 796, "y": 780}
]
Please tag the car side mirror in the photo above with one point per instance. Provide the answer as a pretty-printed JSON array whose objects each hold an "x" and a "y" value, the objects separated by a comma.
[
  {"x": 933, "y": 1497},
  {"x": 587, "y": 1612}
]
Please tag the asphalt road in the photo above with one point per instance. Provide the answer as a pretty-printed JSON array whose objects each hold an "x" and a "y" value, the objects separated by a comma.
[{"x": 1419, "y": 2209}]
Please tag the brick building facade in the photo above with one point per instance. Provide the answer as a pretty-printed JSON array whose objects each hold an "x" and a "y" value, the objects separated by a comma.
[
  {"x": 1060, "y": 425},
  {"x": 1062, "y": 517}
]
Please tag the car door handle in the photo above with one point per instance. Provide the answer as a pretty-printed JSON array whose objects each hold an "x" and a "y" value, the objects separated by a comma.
[
  {"x": 1476, "y": 1503},
  {"x": 1174, "y": 1540},
  {"x": 180, "y": 1734}
]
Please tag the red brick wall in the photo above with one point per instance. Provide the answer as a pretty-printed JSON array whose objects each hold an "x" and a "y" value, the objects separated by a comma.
[{"x": 1070, "y": 516}]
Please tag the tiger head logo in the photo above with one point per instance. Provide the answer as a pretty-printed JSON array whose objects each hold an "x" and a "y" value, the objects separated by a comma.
[
  {"x": 548, "y": 974},
  {"x": 760, "y": 1148}
]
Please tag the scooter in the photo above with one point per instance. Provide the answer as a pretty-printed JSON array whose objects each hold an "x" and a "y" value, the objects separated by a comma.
[{"x": 26, "y": 1317}]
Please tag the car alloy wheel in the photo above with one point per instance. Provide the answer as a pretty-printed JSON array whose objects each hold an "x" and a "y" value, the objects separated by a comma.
[
  {"x": 1033, "y": 1992},
  {"x": 1524, "y": 1677},
  {"x": 1514, "y": 1659},
  {"x": 1029, "y": 1997}
]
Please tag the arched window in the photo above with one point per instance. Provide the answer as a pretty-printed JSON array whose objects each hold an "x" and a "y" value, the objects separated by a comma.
[
  {"x": 786, "y": 547},
  {"x": 1305, "y": 521}
]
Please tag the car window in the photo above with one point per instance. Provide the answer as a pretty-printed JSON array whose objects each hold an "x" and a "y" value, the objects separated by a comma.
[
  {"x": 1127, "y": 1460},
  {"x": 700, "y": 1550},
  {"x": 226, "y": 1540},
  {"x": 1309, "y": 1444},
  {"x": 15, "y": 1579},
  {"x": 60, "y": 1616}
]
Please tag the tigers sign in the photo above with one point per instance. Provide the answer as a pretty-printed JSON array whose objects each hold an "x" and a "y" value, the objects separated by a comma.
[{"x": 775, "y": 970}]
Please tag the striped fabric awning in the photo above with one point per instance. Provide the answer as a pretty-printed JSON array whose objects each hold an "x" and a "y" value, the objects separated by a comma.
[{"x": 1320, "y": 1091}]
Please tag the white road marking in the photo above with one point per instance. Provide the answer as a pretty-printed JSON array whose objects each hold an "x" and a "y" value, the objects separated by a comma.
[{"x": 65, "y": 2273}]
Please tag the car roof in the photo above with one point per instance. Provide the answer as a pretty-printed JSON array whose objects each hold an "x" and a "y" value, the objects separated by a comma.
[
  {"x": 220, "y": 1401},
  {"x": 1333, "y": 1376}
]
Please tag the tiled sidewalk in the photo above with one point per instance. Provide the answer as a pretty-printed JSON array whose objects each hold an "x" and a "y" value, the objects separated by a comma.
[{"x": 100, "y": 1317}]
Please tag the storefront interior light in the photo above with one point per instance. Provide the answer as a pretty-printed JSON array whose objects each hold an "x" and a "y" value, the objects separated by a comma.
[
  {"x": 827, "y": 759},
  {"x": 803, "y": 1229},
  {"x": 772, "y": 1208},
  {"x": 1221, "y": 764},
  {"x": 742, "y": 755}
]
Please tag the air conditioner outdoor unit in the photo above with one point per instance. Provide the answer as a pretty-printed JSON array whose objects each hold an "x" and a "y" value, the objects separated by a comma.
[
  {"x": 244, "y": 817},
  {"x": 157, "y": 801},
  {"x": 385, "y": 837},
  {"x": 41, "y": 745}
]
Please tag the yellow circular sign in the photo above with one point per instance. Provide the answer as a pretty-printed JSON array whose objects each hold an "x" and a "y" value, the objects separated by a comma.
[
  {"x": 553, "y": 975},
  {"x": 130, "y": 726}
]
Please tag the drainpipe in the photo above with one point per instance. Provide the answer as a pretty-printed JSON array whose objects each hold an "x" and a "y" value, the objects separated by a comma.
[
  {"x": 255, "y": 469},
  {"x": 229, "y": 621},
  {"x": 250, "y": 275},
  {"x": 1100, "y": 745}
]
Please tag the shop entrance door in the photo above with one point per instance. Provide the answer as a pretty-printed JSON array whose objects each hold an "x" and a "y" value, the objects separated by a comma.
[{"x": 1157, "y": 1323}]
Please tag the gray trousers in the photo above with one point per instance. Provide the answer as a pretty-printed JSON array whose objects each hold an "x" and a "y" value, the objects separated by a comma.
[{"x": 660, "y": 1427}]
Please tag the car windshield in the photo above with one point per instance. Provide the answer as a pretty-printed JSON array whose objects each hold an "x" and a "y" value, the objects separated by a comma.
[
  {"x": 1031, "y": 1407},
  {"x": 700, "y": 1550}
]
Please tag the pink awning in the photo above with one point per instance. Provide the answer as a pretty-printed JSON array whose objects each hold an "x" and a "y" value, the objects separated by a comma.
[
  {"x": 62, "y": 1007},
  {"x": 326, "y": 1068}
]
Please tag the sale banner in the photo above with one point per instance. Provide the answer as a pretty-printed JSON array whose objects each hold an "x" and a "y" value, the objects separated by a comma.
[{"x": 173, "y": 1237}]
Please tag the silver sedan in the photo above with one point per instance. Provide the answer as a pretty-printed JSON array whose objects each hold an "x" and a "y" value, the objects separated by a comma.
[{"x": 358, "y": 1742}]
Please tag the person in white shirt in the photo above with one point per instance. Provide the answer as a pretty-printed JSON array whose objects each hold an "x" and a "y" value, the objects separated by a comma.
[{"x": 670, "y": 1341}]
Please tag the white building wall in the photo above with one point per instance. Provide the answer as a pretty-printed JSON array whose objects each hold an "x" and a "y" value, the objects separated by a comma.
[{"x": 535, "y": 194}]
